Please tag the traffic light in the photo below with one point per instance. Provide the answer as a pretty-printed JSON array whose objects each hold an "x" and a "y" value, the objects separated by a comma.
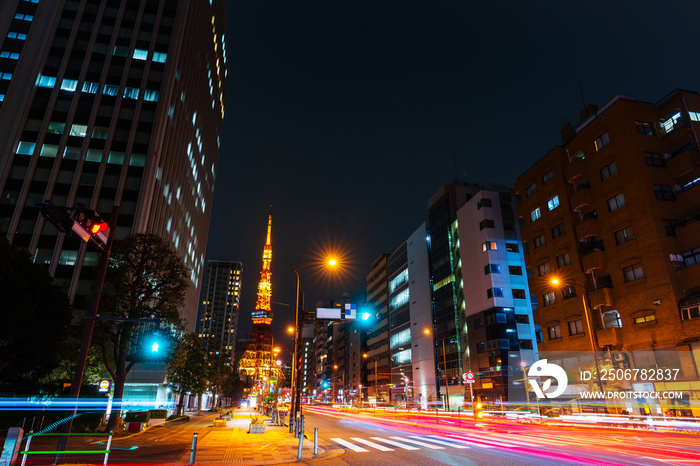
[
  {"x": 89, "y": 225},
  {"x": 478, "y": 409},
  {"x": 366, "y": 315},
  {"x": 325, "y": 384},
  {"x": 155, "y": 346}
]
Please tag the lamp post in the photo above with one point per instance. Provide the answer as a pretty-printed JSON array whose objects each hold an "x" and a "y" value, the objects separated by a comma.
[
  {"x": 586, "y": 312},
  {"x": 296, "y": 398},
  {"x": 444, "y": 362}
]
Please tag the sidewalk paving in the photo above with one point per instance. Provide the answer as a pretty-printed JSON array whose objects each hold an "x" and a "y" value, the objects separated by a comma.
[{"x": 234, "y": 445}]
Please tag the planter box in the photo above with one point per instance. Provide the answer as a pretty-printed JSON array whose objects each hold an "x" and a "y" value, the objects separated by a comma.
[
  {"x": 256, "y": 429},
  {"x": 219, "y": 422}
]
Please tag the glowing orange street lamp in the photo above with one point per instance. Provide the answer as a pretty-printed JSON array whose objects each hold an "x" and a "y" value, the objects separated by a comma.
[{"x": 556, "y": 281}]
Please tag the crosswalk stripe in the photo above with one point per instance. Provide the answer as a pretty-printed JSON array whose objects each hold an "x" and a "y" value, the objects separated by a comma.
[
  {"x": 492, "y": 442},
  {"x": 396, "y": 444},
  {"x": 439, "y": 442},
  {"x": 349, "y": 445},
  {"x": 422, "y": 444},
  {"x": 371, "y": 444}
]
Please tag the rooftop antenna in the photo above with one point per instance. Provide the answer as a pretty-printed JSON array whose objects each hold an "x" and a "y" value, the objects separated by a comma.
[
  {"x": 583, "y": 98},
  {"x": 454, "y": 158}
]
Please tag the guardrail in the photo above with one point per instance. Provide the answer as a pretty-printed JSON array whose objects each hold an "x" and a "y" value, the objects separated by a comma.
[{"x": 56, "y": 452}]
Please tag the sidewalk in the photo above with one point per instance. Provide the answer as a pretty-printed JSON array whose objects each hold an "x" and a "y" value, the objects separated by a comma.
[{"x": 234, "y": 445}]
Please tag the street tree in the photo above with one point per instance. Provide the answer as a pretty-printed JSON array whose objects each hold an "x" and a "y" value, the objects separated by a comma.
[
  {"x": 188, "y": 369},
  {"x": 219, "y": 366},
  {"x": 146, "y": 282},
  {"x": 34, "y": 316}
]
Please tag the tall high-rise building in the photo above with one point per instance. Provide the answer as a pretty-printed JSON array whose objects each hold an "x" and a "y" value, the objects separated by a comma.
[
  {"x": 377, "y": 335},
  {"x": 258, "y": 362},
  {"x": 219, "y": 306},
  {"x": 111, "y": 102}
]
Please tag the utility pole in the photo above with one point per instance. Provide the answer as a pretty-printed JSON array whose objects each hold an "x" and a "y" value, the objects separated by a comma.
[{"x": 447, "y": 384}]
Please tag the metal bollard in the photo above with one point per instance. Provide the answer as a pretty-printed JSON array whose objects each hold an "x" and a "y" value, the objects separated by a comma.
[
  {"x": 301, "y": 443},
  {"x": 194, "y": 447},
  {"x": 301, "y": 423},
  {"x": 296, "y": 427},
  {"x": 315, "y": 441}
]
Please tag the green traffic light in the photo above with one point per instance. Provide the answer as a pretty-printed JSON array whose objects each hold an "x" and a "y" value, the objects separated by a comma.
[
  {"x": 154, "y": 347},
  {"x": 366, "y": 315}
]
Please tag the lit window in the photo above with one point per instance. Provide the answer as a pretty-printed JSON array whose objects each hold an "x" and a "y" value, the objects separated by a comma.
[
  {"x": 641, "y": 320},
  {"x": 633, "y": 272},
  {"x": 608, "y": 171},
  {"x": 90, "y": 87},
  {"x": 137, "y": 160},
  {"x": 512, "y": 247},
  {"x": 159, "y": 57},
  {"x": 49, "y": 150},
  {"x": 694, "y": 116},
  {"x": 121, "y": 51},
  {"x": 616, "y": 202},
  {"x": 492, "y": 268},
  {"x": 400, "y": 299},
  {"x": 16, "y": 35},
  {"x": 71, "y": 153},
  {"x": 553, "y": 203},
  {"x": 535, "y": 214},
  {"x": 116, "y": 157},
  {"x": 691, "y": 257},
  {"x": 602, "y": 141},
  {"x": 45, "y": 81},
  {"x": 25, "y": 148},
  {"x": 488, "y": 246},
  {"x": 131, "y": 93},
  {"x": 10, "y": 55},
  {"x": 55, "y": 127},
  {"x": 140, "y": 54},
  {"x": 69, "y": 85},
  {"x": 548, "y": 298},
  {"x": 554, "y": 332},
  {"x": 110, "y": 89},
  {"x": 78, "y": 130},
  {"x": 563, "y": 260},
  {"x": 547, "y": 177},
  {"x": 672, "y": 123},
  {"x": 150, "y": 96},
  {"x": 93, "y": 155},
  {"x": 6, "y": 76},
  {"x": 624, "y": 235},
  {"x": 644, "y": 128},
  {"x": 576, "y": 327},
  {"x": 68, "y": 257},
  {"x": 24, "y": 17},
  {"x": 2, "y": 97}
]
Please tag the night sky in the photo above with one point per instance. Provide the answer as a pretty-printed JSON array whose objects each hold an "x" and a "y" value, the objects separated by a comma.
[{"x": 347, "y": 117}]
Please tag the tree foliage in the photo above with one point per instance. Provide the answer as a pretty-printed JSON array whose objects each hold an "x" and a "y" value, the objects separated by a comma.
[
  {"x": 188, "y": 369},
  {"x": 34, "y": 314},
  {"x": 146, "y": 280}
]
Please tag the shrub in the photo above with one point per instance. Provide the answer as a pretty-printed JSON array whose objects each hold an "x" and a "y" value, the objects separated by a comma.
[
  {"x": 137, "y": 416},
  {"x": 158, "y": 413},
  {"x": 88, "y": 422},
  {"x": 257, "y": 420},
  {"x": 175, "y": 417}
]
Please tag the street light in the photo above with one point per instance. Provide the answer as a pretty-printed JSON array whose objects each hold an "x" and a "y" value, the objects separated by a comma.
[
  {"x": 444, "y": 362},
  {"x": 296, "y": 393}
]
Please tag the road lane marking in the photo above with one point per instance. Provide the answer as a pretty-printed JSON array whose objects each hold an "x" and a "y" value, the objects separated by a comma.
[
  {"x": 422, "y": 444},
  {"x": 349, "y": 445},
  {"x": 439, "y": 442},
  {"x": 371, "y": 444},
  {"x": 396, "y": 444}
]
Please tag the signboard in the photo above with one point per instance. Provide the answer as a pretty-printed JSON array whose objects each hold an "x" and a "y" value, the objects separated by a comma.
[
  {"x": 468, "y": 377},
  {"x": 348, "y": 311},
  {"x": 104, "y": 385}
]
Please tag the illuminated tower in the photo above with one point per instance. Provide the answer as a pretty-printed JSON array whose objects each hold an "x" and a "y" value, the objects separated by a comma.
[{"x": 258, "y": 362}]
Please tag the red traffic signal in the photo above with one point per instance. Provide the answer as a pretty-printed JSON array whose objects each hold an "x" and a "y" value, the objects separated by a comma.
[{"x": 89, "y": 225}]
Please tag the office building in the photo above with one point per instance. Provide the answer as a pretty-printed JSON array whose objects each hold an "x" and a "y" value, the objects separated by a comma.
[
  {"x": 500, "y": 337},
  {"x": 219, "y": 306},
  {"x": 376, "y": 345},
  {"x": 107, "y": 103}
]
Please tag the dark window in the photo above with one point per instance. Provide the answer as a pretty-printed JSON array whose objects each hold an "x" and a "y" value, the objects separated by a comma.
[
  {"x": 569, "y": 291},
  {"x": 547, "y": 177},
  {"x": 623, "y": 235},
  {"x": 512, "y": 247},
  {"x": 530, "y": 189},
  {"x": 602, "y": 141},
  {"x": 670, "y": 227},
  {"x": 554, "y": 332},
  {"x": 525, "y": 344},
  {"x": 483, "y": 203},
  {"x": 557, "y": 230},
  {"x": 563, "y": 260},
  {"x": 519, "y": 294},
  {"x": 544, "y": 268},
  {"x": 654, "y": 160},
  {"x": 539, "y": 241},
  {"x": 664, "y": 193},
  {"x": 645, "y": 128},
  {"x": 515, "y": 270},
  {"x": 486, "y": 224},
  {"x": 522, "y": 319}
]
